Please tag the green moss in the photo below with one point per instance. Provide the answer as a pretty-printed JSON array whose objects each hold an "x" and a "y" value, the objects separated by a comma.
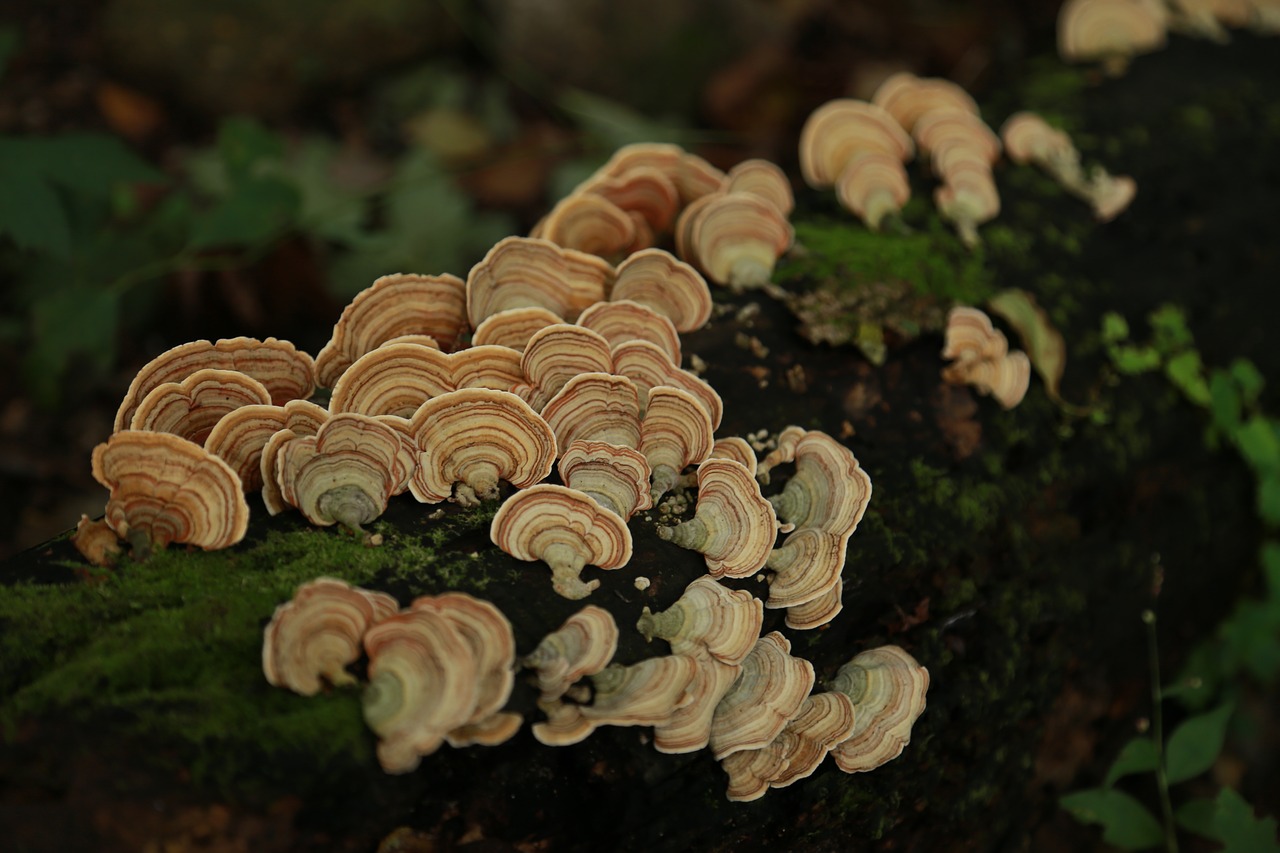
[
  {"x": 1054, "y": 90},
  {"x": 974, "y": 504},
  {"x": 175, "y": 642}
]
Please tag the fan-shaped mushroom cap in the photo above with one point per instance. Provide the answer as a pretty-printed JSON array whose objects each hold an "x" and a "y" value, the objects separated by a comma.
[
  {"x": 982, "y": 358},
  {"x": 737, "y": 449},
  {"x": 555, "y": 355},
  {"x": 97, "y": 542},
  {"x": 839, "y": 130},
  {"x": 644, "y": 190},
  {"x": 589, "y": 223},
  {"x": 514, "y": 326},
  {"x": 784, "y": 452},
  {"x": 888, "y": 689},
  {"x": 674, "y": 433},
  {"x": 493, "y": 646},
  {"x": 487, "y": 366},
  {"x": 285, "y": 371},
  {"x": 765, "y": 179},
  {"x": 346, "y": 472},
  {"x": 874, "y": 185},
  {"x": 829, "y": 490},
  {"x": 240, "y": 436},
  {"x": 738, "y": 238},
  {"x": 1109, "y": 195},
  {"x": 319, "y": 632},
  {"x": 394, "y": 305},
  {"x": 818, "y": 611},
  {"x": 423, "y": 683},
  {"x": 165, "y": 489},
  {"x": 1110, "y": 30},
  {"x": 301, "y": 418},
  {"x": 393, "y": 379},
  {"x": 522, "y": 272},
  {"x": 1028, "y": 138},
  {"x": 693, "y": 177},
  {"x": 566, "y": 530},
  {"x": 968, "y": 199},
  {"x": 686, "y": 224},
  {"x": 733, "y": 526},
  {"x": 475, "y": 437},
  {"x": 623, "y": 320},
  {"x": 666, "y": 284},
  {"x": 648, "y": 367},
  {"x": 906, "y": 97},
  {"x": 825, "y": 719},
  {"x": 766, "y": 696},
  {"x": 595, "y": 407},
  {"x": 807, "y": 564},
  {"x": 644, "y": 694},
  {"x": 614, "y": 476},
  {"x": 939, "y": 130},
  {"x": 582, "y": 646},
  {"x": 709, "y": 617},
  {"x": 688, "y": 729},
  {"x": 191, "y": 408}
]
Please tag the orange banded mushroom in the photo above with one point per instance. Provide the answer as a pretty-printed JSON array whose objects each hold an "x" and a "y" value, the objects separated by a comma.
[
  {"x": 285, "y": 371},
  {"x": 765, "y": 179},
  {"x": 191, "y": 408},
  {"x": 733, "y": 527},
  {"x": 241, "y": 435},
  {"x": 96, "y": 541},
  {"x": 968, "y": 199},
  {"x": 346, "y": 472},
  {"x": 514, "y": 326},
  {"x": 839, "y": 130},
  {"x": 981, "y": 357},
  {"x": 674, "y": 433},
  {"x": 888, "y": 690},
  {"x": 783, "y": 452},
  {"x": 555, "y": 355},
  {"x": 818, "y": 611},
  {"x": 522, "y": 272},
  {"x": 767, "y": 695},
  {"x": 565, "y": 529},
  {"x": 824, "y": 721},
  {"x": 644, "y": 190},
  {"x": 688, "y": 729},
  {"x": 709, "y": 617},
  {"x": 666, "y": 284},
  {"x": 394, "y": 305},
  {"x": 623, "y": 320},
  {"x": 693, "y": 176},
  {"x": 582, "y": 646},
  {"x": 875, "y": 186},
  {"x": 614, "y": 476},
  {"x": 807, "y": 564},
  {"x": 589, "y": 223},
  {"x": 648, "y": 367},
  {"x": 299, "y": 420},
  {"x": 906, "y": 97},
  {"x": 829, "y": 490},
  {"x": 1110, "y": 31},
  {"x": 475, "y": 437},
  {"x": 318, "y": 633},
  {"x": 1029, "y": 139},
  {"x": 595, "y": 407},
  {"x": 165, "y": 489},
  {"x": 737, "y": 239}
]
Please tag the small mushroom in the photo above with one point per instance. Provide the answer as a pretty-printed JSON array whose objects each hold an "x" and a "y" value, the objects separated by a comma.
[
  {"x": 473, "y": 438},
  {"x": 733, "y": 527},
  {"x": 648, "y": 367},
  {"x": 595, "y": 407},
  {"x": 839, "y": 130},
  {"x": 582, "y": 646},
  {"x": 874, "y": 185},
  {"x": 688, "y": 729},
  {"x": 285, "y": 371},
  {"x": 906, "y": 97},
  {"x": 968, "y": 199},
  {"x": 565, "y": 529},
  {"x": 393, "y": 379},
  {"x": 765, "y": 179},
  {"x": 314, "y": 637},
  {"x": 394, "y": 305},
  {"x": 666, "y": 284},
  {"x": 191, "y": 408},
  {"x": 643, "y": 190},
  {"x": 97, "y": 542},
  {"x": 1029, "y": 139},
  {"x": 555, "y": 355},
  {"x": 807, "y": 564},
  {"x": 589, "y": 223},
  {"x": 825, "y": 720},
  {"x": 888, "y": 689},
  {"x": 709, "y": 617},
  {"x": 829, "y": 490},
  {"x": 514, "y": 326},
  {"x": 735, "y": 448},
  {"x": 623, "y": 320},
  {"x": 737, "y": 239},
  {"x": 424, "y": 683},
  {"x": 166, "y": 489},
  {"x": 981, "y": 357},
  {"x": 241, "y": 435},
  {"x": 299, "y": 420},
  {"x": 693, "y": 176},
  {"x": 767, "y": 695},
  {"x": 783, "y": 452},
  {"x": 522, "y": 272},
  {"x": 817, "y": 611},
  {"x": 644, "y": 694},
  {"x": 1110, "y": 31},
  {"x": 346, "y": 472},
  {"x": 613, "y": 476},
  {"x": 674, "y": 433}
]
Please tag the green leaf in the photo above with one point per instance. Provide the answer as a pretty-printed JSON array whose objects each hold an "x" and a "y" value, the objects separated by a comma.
[
  {"x": 1186, "y": 371},
  {"x": 1225, "y": 403},
  {"x": 1137, "y": 756},
  {"x": 1133, "y": 359},
  {"x": 1114, "y": 328},
  {"x": 245, "y": 145},
  {"x": 1248, "y": 379},
  {"x": 78, "y": 319},
  {"x": 31, "y": 212},
  {"x": 1251, "y": 640},
  {"x": 1269, "y": 498},
  {"x": 1259, "y": 443},
  {"x": 1169, "y": 329},
  {"x": 1271, "y": 568},
  {"x": 91, "y": 163},
  {"x": 1238, "y": 829},
  {"x": 1125, "y": 822},
  {"x": 256, "y": 212},
  {"x": 1044, "y": 344},
  {"x": 1198, "y": 816},
  {"x": 1196, "y": 744}
]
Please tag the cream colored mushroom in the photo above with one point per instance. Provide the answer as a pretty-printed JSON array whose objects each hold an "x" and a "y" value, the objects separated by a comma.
[
  {"x": 733, "y": 527},
  {"x": 737, "y": 239},
  {"x": 675, "y": 433},
  {"x": 614, "y": 476},
  {"x": 981, "y": 357},
  {"x": 709, "y": 617},
  {"x": 555, "y": 355},
  {"x": 1110, "y": 31},
  {"x": 766, "y": 696},
  {"x": 888, "y": 690},
  {"x": 688, "y": 729},
  {"x": 582, "y": 646},
  {"x": 514, "y": 326},
  {"x": 595, "y": 407},
  {"x": 522, "y": 272},
  {"x": 806, "y": 565},
  {"x": 191, "y": 408},
  {"x": 623, "y": 320},
  {"x": 824, "y": 721},
  {"x": 666, "y": 284},
  {"x": 829, "y": 490},
  {"x": 906, "y": 97},
  {"x": 648, "y": 367},
  {"x": 240, "y": 436},
  {"x": 839, "y": 130},
  {"x": 764, "y": 179}
]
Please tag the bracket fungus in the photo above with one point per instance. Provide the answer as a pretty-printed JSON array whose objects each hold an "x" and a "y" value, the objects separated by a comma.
[
  {"x": 555, "y": 355},
  {"x": 906, "y": 97},
  {"x": 595, "y": 407},
  {"x": 241, "y": 435},
  {"x": 313, "y": 637},
  {"x": 96, "y": 541},
  {"x": 643, "y": 694},
  {"x": 692, "y": 176},
  {"x": 396, "y": 378},
  {"x": 391, "y": 307},
  {"x": 1110, "y": 31},
  {"x": 582, "y": 646},
  {"x": 888, "y": 690},
  {"x": 783, "y": 452},
  {"x": 764, "y": 179},
  {"x": 733, "y": 527},
  {"x": 475, "y": 437},
  {"x": 589, "y": 223},
  {"x": 825, "y": 720},
  {"x": 674, "y": 434},
  {"x": 666, "y": 284},
  {"x": 614, "y": 476},
  {"x": 623, "y": 320},
  {"x": 648, "y": 367},
  {"x": 981, "y": 358},
  {"x": 688, "y": 729},
  {"x": 285, "y": 371},
  {"x": 523, "y": 272},
  {"x": 513, "y": 327},
  {"x": 346, "y": 472},
  {"x": 166, "y": 489},
  {"x": 1029, "y": 139},
  {"x": 807, "y": 564},
  {"x": 829, "y": 489},
  {"x": 874, "y": 186},
  {"x": 766, "y": 696},
  {"x": 735, "y": 238},
  {"x": 642, "y": 190},
  {"x": 191, "y": 408},
  {"x": 839, "y": 130},
  {"x": 708, "y": 618},
  {"x": 565, "y": 529},
  {"x": 817, "y": 611}
]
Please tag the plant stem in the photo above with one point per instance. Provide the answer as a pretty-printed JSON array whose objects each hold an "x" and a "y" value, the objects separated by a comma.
[{"x": 1157, "y": 733}]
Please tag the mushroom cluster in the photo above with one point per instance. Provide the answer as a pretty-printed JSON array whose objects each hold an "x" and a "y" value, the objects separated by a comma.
[
  {"x": 733, "y": 226},
  {"x": 1029, "y": 139},
  {"x": 980, "y": 357}
]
